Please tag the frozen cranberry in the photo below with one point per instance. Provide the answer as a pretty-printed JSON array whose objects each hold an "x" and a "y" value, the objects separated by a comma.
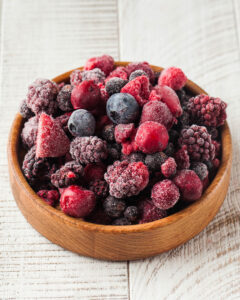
[
  {"x": 151, "y": 137},
  {"x": 86, "y": 95},
  {"x": 77, "y": 202},
  {"x": 172, "y": 77}
]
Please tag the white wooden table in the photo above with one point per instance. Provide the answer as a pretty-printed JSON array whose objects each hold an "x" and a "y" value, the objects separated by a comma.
[{"x": 45, "y": 38}]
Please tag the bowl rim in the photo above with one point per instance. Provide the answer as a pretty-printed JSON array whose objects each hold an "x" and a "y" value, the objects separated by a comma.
[{"x": 13, "y": 143}]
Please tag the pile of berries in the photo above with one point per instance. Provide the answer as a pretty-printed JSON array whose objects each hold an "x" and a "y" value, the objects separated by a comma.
[{"x": 120, "y": 145}]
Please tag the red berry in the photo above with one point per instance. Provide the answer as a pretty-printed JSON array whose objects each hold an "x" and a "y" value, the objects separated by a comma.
[
  {"x": 76, "y": 77},
  {"x": 138, "y": 88},
  {"x": 104, "y": 63},
  {"x": 169, "y": 167},
  {"x": 165, "y": 194},
  {"x": 189, "y": 185},
  {"x": 141, "y": 66},
  {"x": 168, "y": 96},
  {"x": 86, "y": 95},
  {"x": 119, "y": 72},
  {"x": 182, "y": 158},
  {"x": 51, "y": 139},
  {"x": 94, "y": 172},
  {"x": 172, "y": 77},
  {"x": 49, "y": 196},
  {"x": 151, "y": 137},
  {"x": 123, "y": 132},
  {"x": 149, "y": 212},
  {"x": 77, "y": 202},
  {"x": 157, "y": 111}
]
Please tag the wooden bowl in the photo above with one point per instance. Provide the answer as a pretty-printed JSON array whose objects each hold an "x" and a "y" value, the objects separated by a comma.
[{"x": 117, "y": 242}]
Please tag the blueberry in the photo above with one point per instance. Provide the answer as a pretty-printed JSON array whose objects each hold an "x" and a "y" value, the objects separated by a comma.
[
  {"x": 131, "y": 213},
  {"x": 81, "y": 123},
  {"x": 122, "y": 108},
  {"x": 114, "y": 85}
]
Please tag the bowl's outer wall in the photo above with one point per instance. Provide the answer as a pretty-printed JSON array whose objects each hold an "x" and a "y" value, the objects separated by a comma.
[{"x": 118, "y": 242}]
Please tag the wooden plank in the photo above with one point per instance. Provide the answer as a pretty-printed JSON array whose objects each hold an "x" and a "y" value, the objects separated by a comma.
[
  {"x": 42, "y": 39},
  {"x": 201, "y": 37}
]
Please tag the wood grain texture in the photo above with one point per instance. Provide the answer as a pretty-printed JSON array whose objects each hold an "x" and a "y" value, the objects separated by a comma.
[
  {"x": 202, "y": 37},
  {"x": 42, "y": 39}
]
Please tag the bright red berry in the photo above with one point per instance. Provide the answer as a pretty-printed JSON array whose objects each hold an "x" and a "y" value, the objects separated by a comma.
[{"x": 172, "y": 77}]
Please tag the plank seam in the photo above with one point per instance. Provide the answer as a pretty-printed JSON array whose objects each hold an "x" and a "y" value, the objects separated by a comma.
[{"x": 236, "y": 26}]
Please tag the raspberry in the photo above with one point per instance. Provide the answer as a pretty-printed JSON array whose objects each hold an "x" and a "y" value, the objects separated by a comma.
[
  {"x": 129, "y": 146},
  {"x": 137, "y": 73},
  {"x": 77, "y": 202},
  {"x": 123, "y": 132},
  {"x": 182, "y": 158},
  {"x": 94, "y": 172},
  {"x": 96, "y": 75},
  {"x": 199, "y": 143},
  {"x": 165, "y": 194},
  {"x": 130, "y": 68},
  {"x": 114, "y": 85},
  {"x": 208, "y": 111},
  {"x": 64, "y": 98},
  {"x": 29, "y": 132},
  {"x": 76, "y": 77},
  {"x": 86, "y": 95},
  {"x": 138, "y": 88},
  {"x": 149, "y": 212},
  {"x": 88, "y": 149},
  {"x": 200, "y": 169},
  {"x": 113, "y": 207},
  {"x": 68, "y": 174},
  {"x": 126, "y": 179},
  {"x": 169, "y": 97},
  {"x": 63, "y": 121},
  {"x": 172, "y": 77},
  {"x": 151, "y": 137},
  {"x": 104, "y": 94},
  {"x": 119, "y": 72},
  {"x": 25, "y": 111},
  {"x": 104, "y": 63},
  {"x": 133, "y": 157},
  {"x": 108, "y": 133},
  {"x": 154, "y": 161},
  {"x": 189, "y": 184},
  {"x": 51, "y": 139},
  {"x": 169, "y": 167},
  {"x": 131, "y": 213},
  {"x": 157, "y": 111},
  {"x": 51, "y": 197},
  {"x": 121, "y": 222},
  {"x": 41, "y": 96},
  {"x": 99, "y": 187}
]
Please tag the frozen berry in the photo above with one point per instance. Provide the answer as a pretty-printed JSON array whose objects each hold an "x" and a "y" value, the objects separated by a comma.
[
  {"x": 199, "y": 143},
  {"x": 165, "y": 194},
  {"x": 134, "y": 157},
  {"x": 151, "y": 137},
  {"x": 200, "y": 169},
  {"x": 86, "y": 95},
  {"x": 114, "y": 207},
  {"x": 154, "y": 161},
  {"x": 29, "y": 132},
  {"x": 149, "y": 212},
  {"x": 217, "y": 146},
  {"x": 25, "y": 111},
  {"x": 68, "y": 174},
  {"x": 94, "y": 171},
  {"x": 51, "y": 197},
  {"x": 131, "y": 213},
  {"x": 64, "y": 98},
  {"x": 216, "y": 163},
  {"x": 81, "y": 123},
  {"x": 208, "y": 111},
  {"x": 213, "y": 132},
  {"x": 88, "y": 149},
  {"x": 63, "y": 121},
  {"x": 138, "y": 88},
  {"x": 76, "y": 77},
  {"x": 169, "y": 97},
  {"x": 144, "y": 66},
  {"x": 123, "y": 132},
  {"x": 121, "y": 222},
  {"x": 189, "y": 184},
  {"x": 119, "y": 72},
  {"x": 51, "y": 139},
  {"x": 157, "y": 111},
  {"x": 137, "y": 73},
  {"x": 41, "y": 96},
  {"x": 114, "y": 152},
  {"x": 95, "y": 74},
  {"x": 104, "y": 63},
  {"x": 182, "y": 158},
  {"x": 126, "y": 179},
  {"x": 99, "y": 187},
  {"x": 77, "y": 202},
  {"x": 172, "y": 77},
  {"x": 114, "y": 85},
  {"x": 122, "y": 108},
  {"x": 169, "y": 167},
  {"x": 108, "y": 133}
]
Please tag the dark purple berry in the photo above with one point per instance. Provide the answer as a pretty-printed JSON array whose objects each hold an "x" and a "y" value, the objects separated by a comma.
[
  {"x": 114, "y": 207},
  {"x": 154, "y": 161},
  {"x": 200, "y": 169},
  {"x": 131, "y": 213},
  {"x": 25, "y": 111},
  {"x": 64, "y": 98},
  {"x": 108, "y": 133},
  {"x": 137, "y": 73},
  {"x": 121, "y": 222}
]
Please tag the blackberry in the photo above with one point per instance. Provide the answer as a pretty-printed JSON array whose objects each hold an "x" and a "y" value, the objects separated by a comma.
[
  {"x": 88, "y": 149},
  {"x": 68, "y": 174},
  {"x": 200, "y": 169},
  {"x": 154, "y": 161},
  {"x": 114, "y": 85},
  {"x": 64, "y": 98},
  {"x": 29, "y": 132},
  {"x": 99, "y": 187},
  {"x": 108, "y": 133},
  {"x": 199, "y": 143},
  {"x": 137, "y": 73},
  {"x": 41, "y": 96},
  {"x": 131, "y": 213},
  {"x": 96, "y": 75},
  {"x": 113, "y": 207},
  {"x": 25, "y": 111},
  {"x": 121, "y": 222}
]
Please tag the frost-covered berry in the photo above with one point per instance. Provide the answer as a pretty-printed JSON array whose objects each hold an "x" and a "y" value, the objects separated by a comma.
[
  {"x": 64, "y": 98},
  {"x": 114, "y": 207},
  {"x": 114, "y": 85},
  {"x": 123, "y": 132},
  {"x": 131, "y": 213},
  {"x": 122, "y": 108},
  {"x": 108, "y": 133},
  {"x": 172, "y": 77},
  {"x": 182, "y": 158},
  {"x": 137, "y": 73},
  {"x": 149, "y": 212},
  {"x": 121, "y": 222},
  {"x": 29, "y": 132},
  {"x": 81, "y": 123},
  {"x": 134, "y": 157},
  {"x": 154, "y": 161},
  {"x": 96, "y": 75},
  {"x": 76, "y": 77},
  {"x": 99, "y": 187},
  {"x": 144, "y": 66},
  {"x": 200, "y": 169},
  {"x": 25, "y": 111},
  {"x": 51, "y": 197},
  {"x": 169, "y": 167},
  {"x": 104, "y": 63},
  {"x": 119, "y": 72}
]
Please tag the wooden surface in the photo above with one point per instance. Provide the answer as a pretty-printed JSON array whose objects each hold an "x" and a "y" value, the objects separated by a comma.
[{"x": 44, "y": 38}]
